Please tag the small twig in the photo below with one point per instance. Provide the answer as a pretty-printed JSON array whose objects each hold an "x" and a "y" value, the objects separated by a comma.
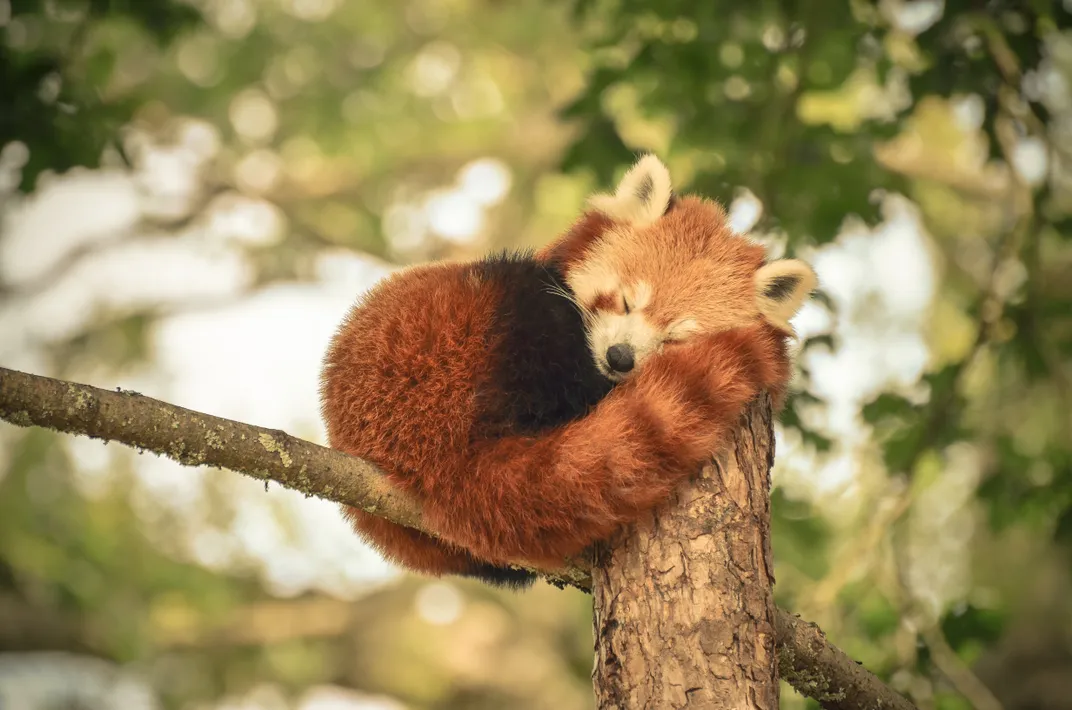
[
  {"x": 942, "y": 655},
  {"x": 1008, "y": 65},
  {"x": 967, "y": 684}
]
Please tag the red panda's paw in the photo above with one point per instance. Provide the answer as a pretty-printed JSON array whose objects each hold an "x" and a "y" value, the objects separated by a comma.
[
  {"x": 751, "y": 357},
  {"x": 710, "y": 370},
  {"x": 694, "y": 392},
  {"x": 766, "y": 347}
]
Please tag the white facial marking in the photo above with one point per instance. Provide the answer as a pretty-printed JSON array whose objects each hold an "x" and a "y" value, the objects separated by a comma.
[
  {"x": 630, "y": 328},
  {"x": 682, "y": 329},
  {"x": 609, "y": 329},
  {"x": 591, "y": 280},
  {"x": 638, "y": 296}
]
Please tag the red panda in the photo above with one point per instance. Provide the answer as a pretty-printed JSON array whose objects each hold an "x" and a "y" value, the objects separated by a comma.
[{"x": 534, "y": 402}]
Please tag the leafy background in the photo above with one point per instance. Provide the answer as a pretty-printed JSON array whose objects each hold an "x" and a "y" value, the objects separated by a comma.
[{"x": 192, "y": 194}]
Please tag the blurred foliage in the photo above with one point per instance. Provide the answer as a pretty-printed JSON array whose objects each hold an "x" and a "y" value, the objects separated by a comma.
[
  {"x": 78, "y": 574},
  {"x": 68, "y": 74},
  {"x": 759, "y": 99},
  {"x": 349, "y": 117}
]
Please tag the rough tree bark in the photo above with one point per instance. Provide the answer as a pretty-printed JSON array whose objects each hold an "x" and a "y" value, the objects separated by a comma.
[
  {"x": 684, "y": 607},
  {"x": 808, "y": 661}
]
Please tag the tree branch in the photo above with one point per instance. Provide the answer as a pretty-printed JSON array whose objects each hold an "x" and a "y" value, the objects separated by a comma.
[
  {"x": 195, "y": 439},
  {"x": 958, "y": 672},
  {"x": 821, "y": 670},
  {"x": 809, "y": 662}
]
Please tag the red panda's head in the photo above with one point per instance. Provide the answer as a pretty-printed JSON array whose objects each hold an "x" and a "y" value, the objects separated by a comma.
[{"x": 648, "y": 268}]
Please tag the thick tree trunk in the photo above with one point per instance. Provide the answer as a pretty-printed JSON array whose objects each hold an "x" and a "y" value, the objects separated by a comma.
[{"x": 684, "y": 608}]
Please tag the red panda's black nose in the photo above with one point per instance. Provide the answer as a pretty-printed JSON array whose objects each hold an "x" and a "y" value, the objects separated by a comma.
[{"x": 620, "y": 357}]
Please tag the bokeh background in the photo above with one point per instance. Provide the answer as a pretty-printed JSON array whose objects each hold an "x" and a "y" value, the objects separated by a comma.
[{"x": 193, "y": 192}]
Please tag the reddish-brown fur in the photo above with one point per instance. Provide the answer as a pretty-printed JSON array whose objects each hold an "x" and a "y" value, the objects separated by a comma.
[
  {"x": 400, "y": 390},
  {"x": 570, "y": 248}
]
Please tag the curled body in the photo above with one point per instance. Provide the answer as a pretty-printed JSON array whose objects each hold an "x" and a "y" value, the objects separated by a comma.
[{"x": 532, "y": 403}]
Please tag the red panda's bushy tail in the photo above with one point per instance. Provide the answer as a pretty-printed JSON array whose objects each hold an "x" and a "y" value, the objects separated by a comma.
[{"x": 545, "y": 498}]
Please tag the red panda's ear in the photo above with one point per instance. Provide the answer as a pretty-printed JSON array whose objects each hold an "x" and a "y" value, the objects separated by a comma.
[
  {"x": 782, "y": 286},
  {"x": 642, "y": 196}
]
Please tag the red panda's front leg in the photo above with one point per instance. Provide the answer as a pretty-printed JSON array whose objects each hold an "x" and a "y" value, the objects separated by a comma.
[{"x": 545, "y": 498}]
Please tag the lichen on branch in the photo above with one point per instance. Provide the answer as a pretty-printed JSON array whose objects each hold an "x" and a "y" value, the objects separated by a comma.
[
  {"x": 195, "y": 439},
  {"x": 820, "y": 670}
]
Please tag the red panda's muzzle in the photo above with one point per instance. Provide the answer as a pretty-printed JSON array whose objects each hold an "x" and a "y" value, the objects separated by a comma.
[{"x": 620, "y": 357}]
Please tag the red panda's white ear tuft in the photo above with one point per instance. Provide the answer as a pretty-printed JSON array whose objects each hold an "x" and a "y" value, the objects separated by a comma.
[
  {"x": 782, "y": 286},
  {"x": 641, "y": 197}
]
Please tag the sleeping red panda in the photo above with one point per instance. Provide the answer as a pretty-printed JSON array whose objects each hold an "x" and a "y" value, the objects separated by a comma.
[{"x": 532, "y": 403}]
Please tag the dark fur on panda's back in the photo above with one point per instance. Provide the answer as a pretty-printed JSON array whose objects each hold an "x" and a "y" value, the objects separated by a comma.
[{"x": 544, "y": 374}]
